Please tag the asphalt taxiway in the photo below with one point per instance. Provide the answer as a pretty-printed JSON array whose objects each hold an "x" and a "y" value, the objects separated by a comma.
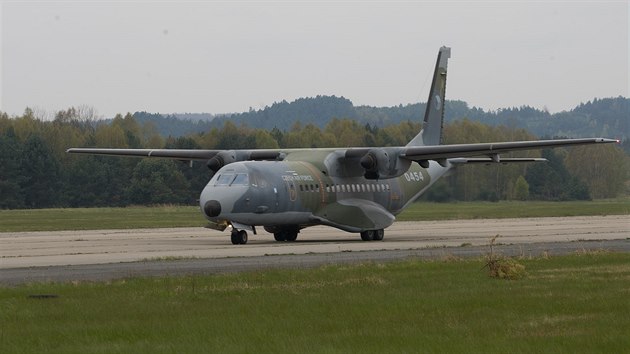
[{"x": 110, "y": 254}]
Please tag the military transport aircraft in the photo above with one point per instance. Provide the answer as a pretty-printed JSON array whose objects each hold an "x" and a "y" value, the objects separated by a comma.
[{"x": 356, "y": 189}]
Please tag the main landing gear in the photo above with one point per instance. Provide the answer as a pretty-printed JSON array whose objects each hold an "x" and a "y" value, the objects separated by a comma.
[
  {"x": 239, "y": 237},
  {"x": 373, "y": 235},
  {"x": 289, "y": 236}
]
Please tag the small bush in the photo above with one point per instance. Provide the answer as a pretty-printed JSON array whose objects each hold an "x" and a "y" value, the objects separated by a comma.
[
  {"x": 506, "y": 268},
  {"x": 502, "y": 267}
]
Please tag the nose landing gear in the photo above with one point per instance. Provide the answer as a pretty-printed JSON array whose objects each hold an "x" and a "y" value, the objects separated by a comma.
[{"x": 372, "y": 235}]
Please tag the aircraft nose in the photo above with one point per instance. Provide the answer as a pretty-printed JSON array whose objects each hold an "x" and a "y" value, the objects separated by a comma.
[{"x": 212, "y": 208}]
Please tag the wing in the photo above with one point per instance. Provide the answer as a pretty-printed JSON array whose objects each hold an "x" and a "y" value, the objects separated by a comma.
[
  {"x": 488, "y": 160},
  {"x": 378, "y": 162},
  {"x": 454, "y": 153},
  {"x": 179, "y": 154},
  {"x": 215, "y": 159}
]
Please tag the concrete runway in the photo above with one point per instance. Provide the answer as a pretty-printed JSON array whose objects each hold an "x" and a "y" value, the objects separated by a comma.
[
  {"x": 121, "y": 251},
  {"x": 75, "y": 248}
]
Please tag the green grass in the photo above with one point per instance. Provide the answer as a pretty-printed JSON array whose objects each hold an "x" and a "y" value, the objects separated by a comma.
[
  {"x": 190, "y": 216},
  {"x": 513, "y": 209},
  {"x": 100, "y": 218},
  {"x": 567, "y": 304}
]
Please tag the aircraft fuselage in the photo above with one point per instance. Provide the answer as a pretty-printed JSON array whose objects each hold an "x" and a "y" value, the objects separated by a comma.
[{"x": 308, "y": 189}]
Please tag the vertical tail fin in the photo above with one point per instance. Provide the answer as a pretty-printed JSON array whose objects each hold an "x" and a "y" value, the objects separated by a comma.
[{"x": 431, "y": 133}]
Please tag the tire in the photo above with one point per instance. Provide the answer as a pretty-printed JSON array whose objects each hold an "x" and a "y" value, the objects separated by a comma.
[
  {"x": 280, "y": 236},
  {"x": 367, "y": 235},
  {"x": 379, "y": 234},
  {"x": 242, "y": 237},
  {"x": 234, "y": 238},
  {"x": 291, "y": 236}
]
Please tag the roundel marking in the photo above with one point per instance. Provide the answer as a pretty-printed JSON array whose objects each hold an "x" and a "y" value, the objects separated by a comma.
[{"x": 438, "y": 102}]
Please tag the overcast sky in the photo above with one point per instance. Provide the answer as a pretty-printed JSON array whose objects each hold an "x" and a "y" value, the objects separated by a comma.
[{"x": 229, "y": 56}]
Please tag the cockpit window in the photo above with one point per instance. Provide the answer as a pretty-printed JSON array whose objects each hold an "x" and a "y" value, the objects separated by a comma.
[
  {"x": 224, "y": 179},
  {"x": 231, "y": 179},
  {"x": 241, "y": 179}
]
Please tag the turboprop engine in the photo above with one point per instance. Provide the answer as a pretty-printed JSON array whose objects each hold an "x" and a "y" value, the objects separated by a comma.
[
  {"x": 225, "y": 157},
  {"x": 229, "y": 156},
  {"x": 383, "y": 163}
]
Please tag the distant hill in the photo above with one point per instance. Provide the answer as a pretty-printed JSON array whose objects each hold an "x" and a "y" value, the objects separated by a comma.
[
  {"x": 178, "y": 124},
  {"x": 608, "y": 117}
]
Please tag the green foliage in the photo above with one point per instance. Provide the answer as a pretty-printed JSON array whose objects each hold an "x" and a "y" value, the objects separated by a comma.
[
  {"x": 521, "y": 189},
  {"x": 36, "y": 172},
  {"x": 41, "y": 174},
  {"x": 11, "y": 176},
  {"x": 552, "y": 180},
  {"x": 440, "y": 192},
  {"x": 486, "y": 182},
  {"x": 604, "y": 170},
  {"x": 157, "y": 181}
]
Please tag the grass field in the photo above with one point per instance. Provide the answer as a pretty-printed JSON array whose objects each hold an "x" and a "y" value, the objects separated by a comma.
[
  {"x": 569, "y": 304},
  {"x": 181, "y": 216},
  {"x": 513, "y": 209}
]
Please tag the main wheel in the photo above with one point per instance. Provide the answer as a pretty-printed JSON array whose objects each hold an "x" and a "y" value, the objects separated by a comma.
[
  {"x": 280, "y": 236},
  {"x": 291, "y": 235},
  {"x": 242, "y": 237},
  {"x": 238, "y": 237},
  {"x": 379, "y": 234},
  {"x": 367, "y": 235},
  {"x": 234, "y": 238}
]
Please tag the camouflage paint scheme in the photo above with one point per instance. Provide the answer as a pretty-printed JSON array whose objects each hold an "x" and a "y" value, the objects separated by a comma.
[{"x": 313, "y": 187}]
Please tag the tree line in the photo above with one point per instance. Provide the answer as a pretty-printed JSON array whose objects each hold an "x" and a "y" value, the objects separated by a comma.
[
  {"x": 37, "y": 173},
  {"x": 606, "y": 117}
]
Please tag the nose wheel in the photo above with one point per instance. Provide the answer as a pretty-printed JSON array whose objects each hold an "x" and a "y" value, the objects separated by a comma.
[
  {"x": 372, "y": 235},
  {"x": 239, "y": 237}
]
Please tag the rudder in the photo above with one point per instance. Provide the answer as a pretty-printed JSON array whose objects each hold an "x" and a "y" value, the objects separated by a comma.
[{"x": 431, "y": 133}]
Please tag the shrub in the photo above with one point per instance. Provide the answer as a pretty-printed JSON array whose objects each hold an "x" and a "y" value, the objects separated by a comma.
[{"x": 503, "y": 267}]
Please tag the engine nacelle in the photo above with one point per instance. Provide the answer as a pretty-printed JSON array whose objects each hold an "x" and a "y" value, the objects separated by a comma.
[
  {"x": 383, "y": 164},
  {"x": 226, "y": 157},
  {"x": 230, "y": 156}
]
